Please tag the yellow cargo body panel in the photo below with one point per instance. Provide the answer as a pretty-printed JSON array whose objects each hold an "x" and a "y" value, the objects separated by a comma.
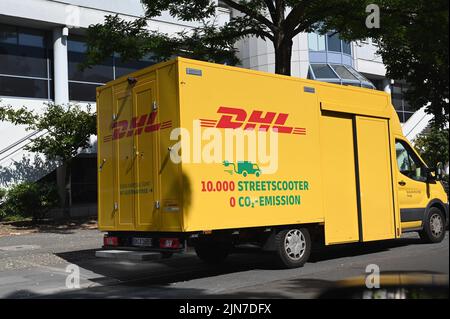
[{"x": 300, "y": 153}]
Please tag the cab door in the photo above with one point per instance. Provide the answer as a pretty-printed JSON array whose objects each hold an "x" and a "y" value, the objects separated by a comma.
[{"x": 413, "y": 190}]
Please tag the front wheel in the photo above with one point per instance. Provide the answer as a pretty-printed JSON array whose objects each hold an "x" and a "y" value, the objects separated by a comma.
[
  {"x": 293, "y": 247},
  {"x": 433, "y": 226}
]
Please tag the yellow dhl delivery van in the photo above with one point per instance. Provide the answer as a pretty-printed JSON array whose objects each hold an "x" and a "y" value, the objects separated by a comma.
[{"x": 198, "y": 154}]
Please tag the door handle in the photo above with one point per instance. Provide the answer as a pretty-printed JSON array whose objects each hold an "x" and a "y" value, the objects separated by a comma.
[
  {"x": 402, "y": 183},
  {"x": 101, "y": 165}
]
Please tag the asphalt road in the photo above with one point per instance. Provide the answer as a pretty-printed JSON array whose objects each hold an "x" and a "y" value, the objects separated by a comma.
[{"x": 34, "y": 266}]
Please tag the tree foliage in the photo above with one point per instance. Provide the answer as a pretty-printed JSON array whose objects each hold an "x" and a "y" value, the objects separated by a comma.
[
  {"x": 433, "y": 145},
  {"x": 26, "y": 169},
  {"x": 412, "y": 39},
  {"x": 67, "y": 128},
  {"x": 29, "y": 199},
  {"x": 277, "y": 21},
  {"x": 413, "y": 43}
]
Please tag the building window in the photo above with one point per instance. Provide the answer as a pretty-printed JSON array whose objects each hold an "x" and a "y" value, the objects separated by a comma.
[
  {"x": 331, "y": 42},
  {"x": 343, "y": 72},
  {"x": 334, "y": 42},
  {"x": 25, "y": 62},
  {"x": 346, "y": 47},
  {"x": 316, "y": 42},
  {"x": 124, "y": 68},
  {"x": 100, "y": 73},
  {"x": 83, "y": 83},
  {"x": 323, "y": 71},
  {"x": 339, "y": 74},
  {"x": 404, "y": 110}
]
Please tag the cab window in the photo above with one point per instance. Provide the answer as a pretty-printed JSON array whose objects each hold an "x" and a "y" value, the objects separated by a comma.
[{"x": 408, "y": 162}]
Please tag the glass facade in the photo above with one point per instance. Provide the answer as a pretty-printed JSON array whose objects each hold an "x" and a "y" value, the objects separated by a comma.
[
  {"x": 316, "y": 42},
  {"x": 323, "y": 71},
  {"x": 404, "y": 110},
  {"x": 25, "y": 62},
  {"x": 329, "y": 42},
  {"x": 82, "y": 83},
  {"x": 339, "y": 74},
  {"x": 334, "y": 42},
  {"x": 26, "y": 58},
  {"x": 331, "y": 61}
]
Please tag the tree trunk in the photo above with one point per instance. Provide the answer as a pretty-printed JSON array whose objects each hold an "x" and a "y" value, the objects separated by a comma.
[
  {"x": 283, "y": 55},
  {"x": 63, "y": 174}
]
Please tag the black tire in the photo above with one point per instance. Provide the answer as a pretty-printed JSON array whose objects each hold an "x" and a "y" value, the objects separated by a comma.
[
  {"x": 288, "y": 258},
  {"x": 433, "y": 226},
  {"x": 212, "y": 252}
]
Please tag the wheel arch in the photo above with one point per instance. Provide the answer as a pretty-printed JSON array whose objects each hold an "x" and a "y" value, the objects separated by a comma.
[
  {"x": 437, "y": 203},
  {"x": 314, "y": 230}
]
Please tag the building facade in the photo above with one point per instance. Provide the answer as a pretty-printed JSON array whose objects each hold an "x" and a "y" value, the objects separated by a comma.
[{"x": 42, "y": 44}]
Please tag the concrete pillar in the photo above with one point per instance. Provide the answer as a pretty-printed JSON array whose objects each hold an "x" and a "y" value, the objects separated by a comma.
[
  {"x": 61, "y": 86},
  {"x": 60, "y": 65}
]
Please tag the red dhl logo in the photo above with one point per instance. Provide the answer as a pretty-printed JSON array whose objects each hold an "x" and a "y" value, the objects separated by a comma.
[
  {"x": 235, "y": 118},
  {"x": 138, "y": 125}
]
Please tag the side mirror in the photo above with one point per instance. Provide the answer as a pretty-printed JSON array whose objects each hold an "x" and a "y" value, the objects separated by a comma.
[
  {"x": 439, "y": 171},
  {"x": 431, "y": 178}
]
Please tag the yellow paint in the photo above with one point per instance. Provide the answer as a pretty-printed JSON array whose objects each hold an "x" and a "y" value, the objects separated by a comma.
[
  {"x": 375, "y": 175},
  {"x": 398, "y": 279},
  {"x": 340, "y": 203},
  {"x": 414, "y": 224},
  {"x": 142, "y": 189}
]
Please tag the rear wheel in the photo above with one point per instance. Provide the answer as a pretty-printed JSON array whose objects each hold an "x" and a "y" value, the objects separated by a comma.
[
  {"x": 433, "y": 226},
  {"x": 212, "y": 252},
  {"x": 293, "y": 247}
]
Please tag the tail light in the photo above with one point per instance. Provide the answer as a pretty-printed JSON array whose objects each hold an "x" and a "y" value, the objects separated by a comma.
[
  {"x": 110, "y": 241},
  {"x": 169, "y": 243}
]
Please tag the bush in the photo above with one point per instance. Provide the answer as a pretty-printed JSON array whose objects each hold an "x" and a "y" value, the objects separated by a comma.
[
  {"x": 2, "y": 199},
  {"x": 433, "y": 145},
  {"x": 30, "y": 200}
]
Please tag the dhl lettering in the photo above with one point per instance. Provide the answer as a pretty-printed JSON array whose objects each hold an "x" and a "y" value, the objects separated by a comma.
[
  {"x": 137, "y": 125},
  {"x": 235, "y": 118}
]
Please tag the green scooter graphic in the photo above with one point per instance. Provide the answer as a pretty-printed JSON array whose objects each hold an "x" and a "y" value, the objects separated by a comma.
[{"x": 243, "y": 168}]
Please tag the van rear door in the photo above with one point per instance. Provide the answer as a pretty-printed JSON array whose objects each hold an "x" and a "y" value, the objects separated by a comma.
[
  {"x": 146, "y": 138},
  {"x": 130, "y": 175}
]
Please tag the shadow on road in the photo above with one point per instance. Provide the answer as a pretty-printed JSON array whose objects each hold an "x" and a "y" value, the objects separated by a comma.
[
  {"x": 61, "y": 226},
  {"x": 142, "y": 278},
  {"x": 359, "y": 249}
]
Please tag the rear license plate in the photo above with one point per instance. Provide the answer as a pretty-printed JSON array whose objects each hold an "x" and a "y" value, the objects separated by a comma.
[{"x": 141, "y": 242}]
